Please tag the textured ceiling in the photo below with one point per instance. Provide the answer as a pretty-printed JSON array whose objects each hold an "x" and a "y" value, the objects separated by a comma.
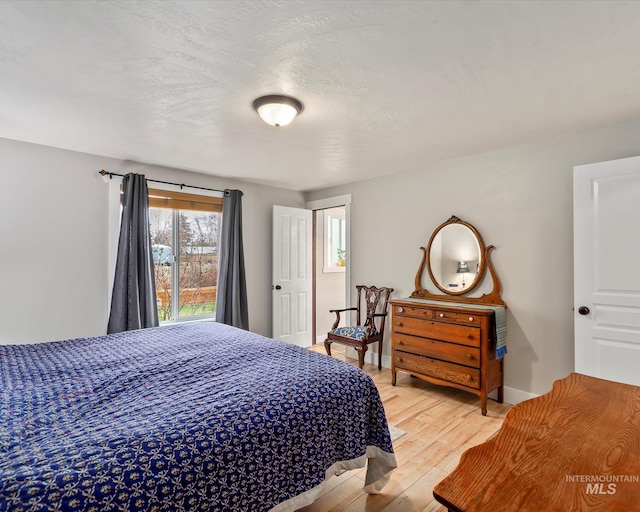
[{"x": 387, "y": 86}]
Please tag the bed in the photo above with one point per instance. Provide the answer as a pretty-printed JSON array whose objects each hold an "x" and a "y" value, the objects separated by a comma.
[{"x": 188, "y": 417}]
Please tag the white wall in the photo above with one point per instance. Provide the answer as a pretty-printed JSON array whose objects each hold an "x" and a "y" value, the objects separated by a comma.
[
  {"x": 54, "y": 234},
  {"x": 520, "y": 200}
]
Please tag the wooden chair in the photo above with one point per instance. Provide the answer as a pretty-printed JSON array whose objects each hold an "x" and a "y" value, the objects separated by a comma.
[{"x": 372, "y": 307}]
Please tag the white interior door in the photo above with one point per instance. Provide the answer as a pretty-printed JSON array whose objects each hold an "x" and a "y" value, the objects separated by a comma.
[
  {"x": 292, "y": 278},
  {"x": 607, "y": 269}
]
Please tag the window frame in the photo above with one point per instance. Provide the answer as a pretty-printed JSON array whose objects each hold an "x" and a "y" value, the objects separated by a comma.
[
  {"x": 115, "y": 184},
  {"x": 329, "y": 245}
]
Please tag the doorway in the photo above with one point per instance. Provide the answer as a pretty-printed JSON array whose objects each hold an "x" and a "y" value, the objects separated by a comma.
[
  {"x": 329, "y": 268},
  {"x": 331, "y": 259}
]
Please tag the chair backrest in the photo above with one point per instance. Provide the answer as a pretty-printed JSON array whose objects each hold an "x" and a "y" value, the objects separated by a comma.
[{"x": 372, "y": 300}]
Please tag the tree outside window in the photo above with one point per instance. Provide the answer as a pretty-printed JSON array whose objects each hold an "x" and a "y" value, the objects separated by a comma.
[{"x": 185, "y": 253}]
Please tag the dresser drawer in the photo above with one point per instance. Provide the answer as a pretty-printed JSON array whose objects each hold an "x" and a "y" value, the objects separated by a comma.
[
  {"x": 439, "y": 369},
  {"x": 412, "y": 311},
  {"x": 454, "y": 353},
  {"x": 459, "y": 318},
  {"x": 463, "y": 334}
]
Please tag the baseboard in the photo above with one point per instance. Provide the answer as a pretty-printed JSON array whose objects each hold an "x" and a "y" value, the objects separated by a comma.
[{"x": 515, "y": 396}]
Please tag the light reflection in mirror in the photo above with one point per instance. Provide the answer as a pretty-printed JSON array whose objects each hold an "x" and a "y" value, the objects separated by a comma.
[{"x": 453, "y": 244}]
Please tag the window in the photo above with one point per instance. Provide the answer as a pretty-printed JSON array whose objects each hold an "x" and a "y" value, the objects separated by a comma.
[
  {"x": 184, "y": 237},
  {"x": 335, "y": 242}
]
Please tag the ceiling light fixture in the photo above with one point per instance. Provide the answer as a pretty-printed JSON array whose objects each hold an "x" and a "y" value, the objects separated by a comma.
[{"x": 277, "y": 110}]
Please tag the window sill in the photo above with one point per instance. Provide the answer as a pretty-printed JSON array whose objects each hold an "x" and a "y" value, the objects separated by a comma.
[{"x": 188, "y": 321}]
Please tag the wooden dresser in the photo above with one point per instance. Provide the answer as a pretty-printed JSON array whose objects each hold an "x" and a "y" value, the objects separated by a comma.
[{"x": 448, "y": 345}]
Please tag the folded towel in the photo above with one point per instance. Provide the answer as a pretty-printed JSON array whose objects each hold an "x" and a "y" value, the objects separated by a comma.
[{"x": 501, "y": 331}]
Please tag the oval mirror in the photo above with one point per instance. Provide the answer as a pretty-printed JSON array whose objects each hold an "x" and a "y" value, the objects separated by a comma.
[{"x": 455, "y": 259}]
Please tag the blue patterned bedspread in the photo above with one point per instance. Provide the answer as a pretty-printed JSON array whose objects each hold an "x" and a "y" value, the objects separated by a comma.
[{"x": 191, "y": 417}]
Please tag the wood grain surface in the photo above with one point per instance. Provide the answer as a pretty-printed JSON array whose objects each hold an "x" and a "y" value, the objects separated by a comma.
[{"x": 577, "y": 448}]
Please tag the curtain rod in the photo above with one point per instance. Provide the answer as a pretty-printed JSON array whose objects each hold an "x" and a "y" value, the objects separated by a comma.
[{"x": 181, "y": 185}]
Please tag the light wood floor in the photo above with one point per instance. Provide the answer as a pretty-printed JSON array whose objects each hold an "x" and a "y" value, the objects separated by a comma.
[{"x": 440, "y": 423}]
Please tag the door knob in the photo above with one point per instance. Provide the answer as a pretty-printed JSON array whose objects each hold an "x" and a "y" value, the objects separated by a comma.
[
  {"x": 584, "y": 310},
  {"x": 278, "y": 287}
]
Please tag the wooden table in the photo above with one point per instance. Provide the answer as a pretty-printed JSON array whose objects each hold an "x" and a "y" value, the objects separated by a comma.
[{"x": 577, "y": 448}]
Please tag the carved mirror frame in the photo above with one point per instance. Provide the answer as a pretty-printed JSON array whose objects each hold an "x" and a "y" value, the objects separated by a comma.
[{"x": 492, "y": 298}]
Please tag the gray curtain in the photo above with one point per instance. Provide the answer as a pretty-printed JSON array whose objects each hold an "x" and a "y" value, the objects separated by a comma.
[
  {"x": 231, "y": 301},
  {"x": 133, "y": 303}
]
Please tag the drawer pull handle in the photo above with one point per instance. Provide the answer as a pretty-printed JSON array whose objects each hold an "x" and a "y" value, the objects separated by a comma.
[
  {"x": 470, "y": 319},
  {"x": 400, "y": 310},
  {"x": 470, "y": 336},
  {"x": 441, "y": 315},
  {"x": 469, "y": 356},
  {"x": 399, "y": 324},
  {"x": 468, "y": 377}
]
